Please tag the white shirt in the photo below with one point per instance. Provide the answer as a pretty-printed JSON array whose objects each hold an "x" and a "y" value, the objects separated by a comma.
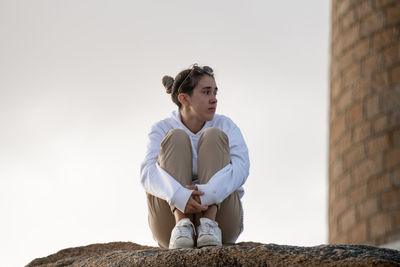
[{"x": 159, "y": 183}]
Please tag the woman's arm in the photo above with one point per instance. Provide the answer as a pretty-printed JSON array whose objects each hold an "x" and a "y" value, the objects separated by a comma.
[{"x": 156, "y": 180}]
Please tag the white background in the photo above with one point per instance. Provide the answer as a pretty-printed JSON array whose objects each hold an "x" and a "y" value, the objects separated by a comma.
[{"x": 80, "y": 86}]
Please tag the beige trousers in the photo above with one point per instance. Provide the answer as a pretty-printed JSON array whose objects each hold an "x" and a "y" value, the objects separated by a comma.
[{"x": 175, "y": 157}]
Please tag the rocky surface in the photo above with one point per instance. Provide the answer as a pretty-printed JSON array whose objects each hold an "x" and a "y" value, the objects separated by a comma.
[{"x": 241, "y": 254}]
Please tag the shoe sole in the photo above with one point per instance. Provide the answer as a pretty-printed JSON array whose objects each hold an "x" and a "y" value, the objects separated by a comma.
[
  {"x": 208, "y": 243},
  {"x": 183, "y": 243}
]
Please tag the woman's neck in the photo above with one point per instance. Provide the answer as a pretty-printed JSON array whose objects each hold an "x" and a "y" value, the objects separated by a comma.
[{"x": 191, "y": 122}]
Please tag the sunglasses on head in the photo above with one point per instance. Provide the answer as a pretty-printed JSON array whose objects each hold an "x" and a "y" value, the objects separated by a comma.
[{"x": 205, "y": 69}]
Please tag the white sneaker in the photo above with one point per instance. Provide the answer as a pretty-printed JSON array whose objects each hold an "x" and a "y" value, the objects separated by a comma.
[
  {"x": 182, "y": 235},
  {"x": 209, "y": 233}
]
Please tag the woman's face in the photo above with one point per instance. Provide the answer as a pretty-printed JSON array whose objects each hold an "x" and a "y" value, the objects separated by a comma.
[{"x": 203, "y": 102}]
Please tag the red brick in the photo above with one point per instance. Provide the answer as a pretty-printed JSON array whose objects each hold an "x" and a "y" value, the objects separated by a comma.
[
  {"x": 336, "y": 47},
  {"x": 378, "y": 144},
  {"x": 383, "y": 3},
  {"x": 331, "y": 196},
  {"x": 380, "y": 224},
  {"x": 383, "y": 38},
  {"x": 378, "y": 184},
  {"x": 351, "y": 75},
  {"x": 347, "y": 220},
  {"x": 358, "y": 233},
  {"x": 354, "y": 114},
  {"x": 362, "y": 89},
  {"x": 394, "y": 118},
  {"x": 393, "y": 14},
  {"x": 350, "y": 36},
  {"x": 358, "y": 193},
  {"x": 334, "y": 69},
  {"x": 391, "y": 199},
  {"x": 396, "y": 215},
  {"x": 380, "y": 80},
  {"x": 367, "y": 207},
  {"x": 336, "y": 169},
  {"x": 391, "y": 99},
  {"x": 333, "y": 7},
  {"x": 354, "y": 155},
  {"x": 336, "y": 150},
  {"x": 338, "y": 206},
  {"x": 346, "y": 60},
  {"x": 372, "y": 106},
  {"x": 395, "y": 137},
  {"x": 333, "y": 232},
  {"x": 341, "y": 239},
  {"x": 396, "y": 75},
  {"x": 344, "y": 143},
  {"x": 395, "y": 177},
  {"x": 332, "y": 110},
  {"x": 331, "y": 219},
  {"x": 332, "y": 113},
  {"x": 361, "y": 49},
  {"x": 337, "y": 128},
  {"x": 347, "y": 20},
  {"x": 335, "y": 31},
  {"x": 364, "y": 9},
  {"x": 372, "y": 64},
  {"x": 392, "y": 157},
  {"x": 392, "y": 54},
  {"x": 366, "y": 169},
  {"x": 336, "y": 88},
  {"x": 379, "y": 124},
  {"x": 342, "y": 185},
  {"x": 333, "y": 153},
  {"x": 361, "y": 131},
  {"x": 371, "y": 23},
  {"x": 344, "y": 100},
  {"x": 342, "y": 7},
  {"x": 331, "y": 206}
]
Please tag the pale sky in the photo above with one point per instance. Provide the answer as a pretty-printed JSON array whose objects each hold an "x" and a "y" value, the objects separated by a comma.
[{"x": 80, "y": 86}]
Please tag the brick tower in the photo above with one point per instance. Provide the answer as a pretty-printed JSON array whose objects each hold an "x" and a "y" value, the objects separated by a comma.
[{"x": 364, "y": 140}]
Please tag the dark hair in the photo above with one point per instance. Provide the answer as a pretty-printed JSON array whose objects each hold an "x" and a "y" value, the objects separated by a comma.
[{"x": 189, "y": 83}]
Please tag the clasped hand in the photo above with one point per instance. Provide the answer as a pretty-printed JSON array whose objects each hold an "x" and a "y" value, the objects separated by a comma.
[{"x": 194, "y": 203}]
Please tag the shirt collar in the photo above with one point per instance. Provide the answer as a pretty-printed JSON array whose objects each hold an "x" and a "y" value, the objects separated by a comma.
[{"x": 176, "y": 115}]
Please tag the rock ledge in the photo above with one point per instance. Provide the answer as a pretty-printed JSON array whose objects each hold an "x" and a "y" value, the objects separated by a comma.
[{"x": 241, "y": 254}]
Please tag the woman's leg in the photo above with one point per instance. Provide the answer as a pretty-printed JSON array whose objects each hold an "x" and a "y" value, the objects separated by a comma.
[
  {"x": 213, "y": 155},
  {"x": 175, "y": 157}
]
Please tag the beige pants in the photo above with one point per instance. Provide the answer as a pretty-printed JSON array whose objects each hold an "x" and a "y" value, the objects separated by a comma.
[{"x": 175, "y": 157}]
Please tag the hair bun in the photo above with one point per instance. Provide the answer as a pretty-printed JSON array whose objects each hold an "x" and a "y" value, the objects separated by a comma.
[{"x": 168, "y": 81}]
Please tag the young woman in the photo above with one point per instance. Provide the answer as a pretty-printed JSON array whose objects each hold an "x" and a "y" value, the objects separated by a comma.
[{"x": 195, "y": 165}]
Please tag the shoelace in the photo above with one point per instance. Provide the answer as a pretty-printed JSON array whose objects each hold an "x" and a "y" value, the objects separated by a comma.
[
  {"x": 185, "y": 230},
  {"x": 207, "y": 228}
]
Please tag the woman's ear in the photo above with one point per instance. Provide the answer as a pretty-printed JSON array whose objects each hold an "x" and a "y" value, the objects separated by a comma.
[{"x": 183, "y": 99}]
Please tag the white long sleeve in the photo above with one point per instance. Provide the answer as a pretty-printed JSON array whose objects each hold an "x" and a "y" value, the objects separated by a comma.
[
  {"x": 159, "y": 183},
  {"x": 156, "y": 180}
]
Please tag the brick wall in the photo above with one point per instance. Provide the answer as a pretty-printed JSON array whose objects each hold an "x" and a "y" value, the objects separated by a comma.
[{"x": 364, "y": 141}]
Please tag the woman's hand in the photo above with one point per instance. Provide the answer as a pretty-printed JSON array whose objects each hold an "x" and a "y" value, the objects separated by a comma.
[
  {"x": 195, "y": 196},
  {"x": 194, "y": 203}
]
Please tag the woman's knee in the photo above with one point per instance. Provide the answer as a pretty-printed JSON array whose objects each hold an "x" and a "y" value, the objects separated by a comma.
[
  {"x": 176, "y": 134},
  {"x": 214, "y": 135},
  {"x": 213, "y": 132},
  {"x": 177, "y": 137},
  {"x": 175, "y": 156}
]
